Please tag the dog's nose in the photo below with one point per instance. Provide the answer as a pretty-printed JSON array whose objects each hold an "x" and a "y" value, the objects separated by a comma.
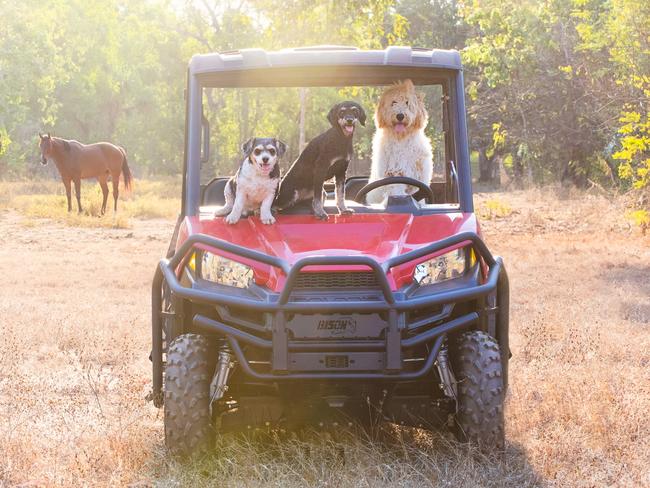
[
  {"x": 265, "y": 159},
  {"x": 400, "y": 117},
  {"x": 349, "y": 120}
]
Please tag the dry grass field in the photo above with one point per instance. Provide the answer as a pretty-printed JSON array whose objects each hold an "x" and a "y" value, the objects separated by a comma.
[
  {"x": 75, "y": 336},
  {"x": 46, "y": 199}
]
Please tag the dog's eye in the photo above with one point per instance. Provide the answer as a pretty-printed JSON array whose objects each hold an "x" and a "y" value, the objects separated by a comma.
[
  {"x": 394, "y": 102},
  {"x": 407, "y": 103},
  {"x": 272, "y": 152},
  {"x": 257, "y": 152}
]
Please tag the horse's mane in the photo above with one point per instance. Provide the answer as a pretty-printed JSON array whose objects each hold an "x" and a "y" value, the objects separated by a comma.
[
  {"x": 61, "y": 139},
  {"x": 66, "y": 142}
]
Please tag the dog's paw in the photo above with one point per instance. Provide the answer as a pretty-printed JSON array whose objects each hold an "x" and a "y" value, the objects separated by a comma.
[
  {"x": 232, "y": 219},
  {"x": 267, "y": 219},
  {"x": 346, "y": 211},
  {"x": 321, "y": 216}
]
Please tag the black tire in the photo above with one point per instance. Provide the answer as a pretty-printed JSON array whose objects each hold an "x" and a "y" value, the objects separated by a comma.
[
  {"x": 476, "y": 361},
  {"x": 189, "y": 370}
]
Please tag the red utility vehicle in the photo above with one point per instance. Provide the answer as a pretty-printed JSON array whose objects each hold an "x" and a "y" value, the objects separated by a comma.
[{"x": 398, "y": 312}]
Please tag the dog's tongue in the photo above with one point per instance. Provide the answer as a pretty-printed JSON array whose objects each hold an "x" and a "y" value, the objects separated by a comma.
[
  {"x": 399, "y": 128},
  {"x": 349, "y": 129}
]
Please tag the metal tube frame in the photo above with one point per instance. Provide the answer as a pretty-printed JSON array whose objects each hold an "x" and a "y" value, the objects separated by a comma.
[{"x": 193, "y": 135}]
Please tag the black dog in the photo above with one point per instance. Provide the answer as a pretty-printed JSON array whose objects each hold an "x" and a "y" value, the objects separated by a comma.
[{"x": 326, "y": 156}]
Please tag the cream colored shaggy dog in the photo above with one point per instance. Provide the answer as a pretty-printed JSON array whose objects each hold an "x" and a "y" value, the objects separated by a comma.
[{"x": 400, "y": 146}]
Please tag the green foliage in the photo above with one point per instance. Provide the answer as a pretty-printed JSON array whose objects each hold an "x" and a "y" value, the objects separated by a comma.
[
  {"x": 557, "y": 89},
  {"x": 114, "y": 70},
  {"x": 494, "y": 209},
  {"x": 92, "y": 70},
  {"x": 554, "y": 77},
  {"x": 641, "y": 218},
  {"x": 635, "y": 149},
  {"x": 4, "y": 140}
]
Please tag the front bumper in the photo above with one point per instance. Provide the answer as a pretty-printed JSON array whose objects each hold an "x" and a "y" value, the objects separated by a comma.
[{"x": 375, "y": 359}]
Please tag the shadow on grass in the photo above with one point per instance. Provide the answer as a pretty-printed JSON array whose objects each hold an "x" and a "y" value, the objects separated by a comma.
[{"x": 388, "y": 456}]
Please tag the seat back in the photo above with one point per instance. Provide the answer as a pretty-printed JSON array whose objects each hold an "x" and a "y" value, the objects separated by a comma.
[
  {"x": 353, "y": 185},
  {"x": 212, "y": 193}
]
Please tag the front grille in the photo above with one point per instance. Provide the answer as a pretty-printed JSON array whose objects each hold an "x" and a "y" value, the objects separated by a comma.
[{"x": 362, "y": 279}]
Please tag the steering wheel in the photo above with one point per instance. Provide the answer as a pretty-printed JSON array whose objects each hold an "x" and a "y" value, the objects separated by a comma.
[{"x": 424, "y": 190}]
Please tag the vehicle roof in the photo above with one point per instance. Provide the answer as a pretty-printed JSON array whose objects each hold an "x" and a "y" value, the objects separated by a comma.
[{"x": 307, "y": 63}]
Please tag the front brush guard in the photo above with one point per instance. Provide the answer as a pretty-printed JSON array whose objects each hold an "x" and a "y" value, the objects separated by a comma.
[{"x": 279, "y": 305}]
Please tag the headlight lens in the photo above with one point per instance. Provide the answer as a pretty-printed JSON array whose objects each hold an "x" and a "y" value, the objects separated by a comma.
[
  {"x": 446, "y": 267},
  {"x": 223, "y": 271}
]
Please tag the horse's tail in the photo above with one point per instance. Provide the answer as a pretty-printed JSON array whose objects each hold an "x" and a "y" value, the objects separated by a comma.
[{"x": 126, "y": 172}]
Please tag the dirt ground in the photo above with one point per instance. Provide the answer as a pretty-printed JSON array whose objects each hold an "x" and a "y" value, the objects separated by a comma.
[{"x": 74, "y": 371}]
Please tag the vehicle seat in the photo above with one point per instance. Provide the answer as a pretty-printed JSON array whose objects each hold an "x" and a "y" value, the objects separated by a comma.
[{"x": 212, "y": 192}]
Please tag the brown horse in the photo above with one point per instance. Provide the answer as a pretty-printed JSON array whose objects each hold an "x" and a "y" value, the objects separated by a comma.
[{"x": 76, "y": 161}]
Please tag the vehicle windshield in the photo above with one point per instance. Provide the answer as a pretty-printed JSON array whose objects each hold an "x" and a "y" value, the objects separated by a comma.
[{"x": 296, "y": 115}]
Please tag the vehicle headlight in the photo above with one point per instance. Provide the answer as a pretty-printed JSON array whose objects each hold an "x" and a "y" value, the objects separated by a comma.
[
  {"x": 446, "y": 267},
  {"x": 224, "y": 271}
]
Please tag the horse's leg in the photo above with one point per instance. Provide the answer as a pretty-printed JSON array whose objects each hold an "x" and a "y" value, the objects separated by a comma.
[
  {"x": 102, "y": 182},
  {"x": 68, "y": 192},
  {"x": 116, "y": 191},
  {"x": 77, "y": 190}
]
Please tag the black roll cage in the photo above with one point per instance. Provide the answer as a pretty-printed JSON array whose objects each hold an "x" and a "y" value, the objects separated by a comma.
[{"x": 255, "y": 73}]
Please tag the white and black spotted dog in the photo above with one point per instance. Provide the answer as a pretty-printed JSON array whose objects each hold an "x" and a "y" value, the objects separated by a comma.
[{"x": 255, "y": 184}]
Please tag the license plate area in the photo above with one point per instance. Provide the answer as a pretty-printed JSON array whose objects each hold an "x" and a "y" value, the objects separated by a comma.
[{"x": 357, "y": 361}]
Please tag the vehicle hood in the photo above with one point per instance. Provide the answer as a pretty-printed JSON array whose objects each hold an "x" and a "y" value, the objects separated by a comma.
[{"x": 292, "y": 237}]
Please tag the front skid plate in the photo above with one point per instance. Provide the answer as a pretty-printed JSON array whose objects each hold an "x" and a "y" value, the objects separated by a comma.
[{"x": 270, "y": 412}]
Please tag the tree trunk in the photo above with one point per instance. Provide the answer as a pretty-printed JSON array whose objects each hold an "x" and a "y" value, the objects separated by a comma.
[
  {"x": 518, "y": 171},
  {"x": 488, "y": 169},
  {"x": 572, "y": 173}
]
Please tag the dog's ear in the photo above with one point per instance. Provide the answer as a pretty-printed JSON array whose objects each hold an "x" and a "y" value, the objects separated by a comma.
[
  {"x": 408, "y": 84},
  {"x": 281, "y": 146},
  {"x": 248, "y": 146},
  {"x": 66, "y": 146},
  {"x": 422, "y": 116},
  {"x": 381, "y": 122},
  {"x": 41, "y": 136},
  {"x": 332, "y": 115}
]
